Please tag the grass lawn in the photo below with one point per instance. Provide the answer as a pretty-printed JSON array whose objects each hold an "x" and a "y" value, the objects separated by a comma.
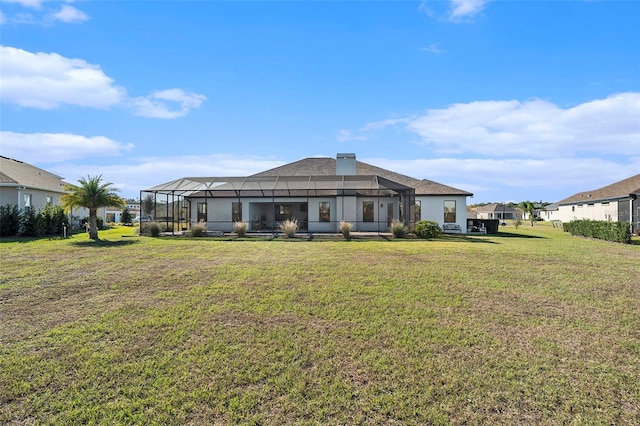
[{"x": 531, "y": 326}]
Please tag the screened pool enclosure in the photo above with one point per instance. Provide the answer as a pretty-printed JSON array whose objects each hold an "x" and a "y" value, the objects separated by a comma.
[{"x": 317, "y": 203}]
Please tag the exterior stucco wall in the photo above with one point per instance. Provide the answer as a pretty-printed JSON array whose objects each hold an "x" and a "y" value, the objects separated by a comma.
[
  {"x": 13, "y": 196},
  {"x": 549, "y": 215},
  {"x": 593, "y": 211},
  {"x": 432, "y": 208},
  {"x": 256, "y": 210}
]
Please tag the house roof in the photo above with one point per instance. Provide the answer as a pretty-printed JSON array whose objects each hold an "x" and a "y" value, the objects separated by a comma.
[
  {"x": 317, "y": 166},
  {"x": 494, "y": 207},
  {"x": 620, "y": 189},
  {"x": 18, "y": 173}
]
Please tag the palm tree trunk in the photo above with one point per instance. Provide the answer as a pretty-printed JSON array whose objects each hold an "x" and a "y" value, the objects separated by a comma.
[{"x": 93, "y": 224}]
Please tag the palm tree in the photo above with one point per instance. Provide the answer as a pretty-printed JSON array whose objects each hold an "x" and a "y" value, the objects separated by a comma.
[
  {"x": 91, "y": 194},
  {"x": 529, "y": 208}
]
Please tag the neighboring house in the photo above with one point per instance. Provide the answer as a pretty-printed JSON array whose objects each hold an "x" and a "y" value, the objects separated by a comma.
[
  {"x": 27, "y": 186},
  {"x": 497, "y": 211},
  {"x": 617, "y": 202},
  {"x": 113, "y": 214},
  {"x": 317, "y": 192},
  {"x": 549, "y": 212}
]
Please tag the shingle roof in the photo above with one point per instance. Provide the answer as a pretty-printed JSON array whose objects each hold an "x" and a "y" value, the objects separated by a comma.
[
  {"x": 327, "y": 167},
  {"x": 20, "y": 173},
  {"x": 494, "y": 207},
  {"x": 618, "y": 189}
]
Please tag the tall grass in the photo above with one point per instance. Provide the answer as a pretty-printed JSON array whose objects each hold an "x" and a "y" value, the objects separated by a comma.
[
  {"x": 289, "y": 227},
  {"x": 345, "y": 229},
  {"x": 240, "y": 228}
]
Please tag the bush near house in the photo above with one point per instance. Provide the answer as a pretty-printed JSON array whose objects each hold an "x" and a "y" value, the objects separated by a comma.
[
  {"x": 289, "y": 227},
  {"x": 27, "y": 223},
  {"x": 427, "y": 229},
  {"x": 399, "y": 229},
  {"x": 345, "y": 229},
  {"x": 240, "y": 228},
  {"x": 619, "y": 232}
]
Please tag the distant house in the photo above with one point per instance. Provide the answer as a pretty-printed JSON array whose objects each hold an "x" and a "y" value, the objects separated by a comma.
[
  {"x": 549, "y": 212},
  {"x": 617, "y": 202},
  {"x": 497, "y": 211},
  {"x": 317, "y": 192},
  {"x": 27, "y": 186}
]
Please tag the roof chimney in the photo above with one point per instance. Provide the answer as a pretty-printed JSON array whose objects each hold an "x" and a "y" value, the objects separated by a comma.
[{"x": 346, "y": 164}]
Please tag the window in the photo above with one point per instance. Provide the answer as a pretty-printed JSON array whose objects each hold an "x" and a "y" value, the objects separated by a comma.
[
  {"x": 202, "y": 212},
  {"x": 27, "y": 201},
  {"x": 450, "y": 211},
  {"x": 418, "y": 211},
  {"x": 283, "y": 212},
  {"x": 325, "y": 211},
  {"x": 236, "y": 211},
  {"x": 367, "y": 211},
  {"x": 49, "y": 200}
]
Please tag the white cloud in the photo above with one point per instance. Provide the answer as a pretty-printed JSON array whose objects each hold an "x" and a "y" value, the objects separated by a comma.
[
  {"x": 462, "y": 9},
  {"x": 141, "y": 173},
  {"x": 69, "y": 14},
  {"x": 432, "y": 48},
  {"x": 170, "y": 103},
  {"x": 42, "y": 15},
  {"x": 531, "y": 129},
  {"x": 58, "y": 147},
  {"x": 48, "y": 80},
  {"x": 345, "y": 135},
  {"x": 454, "y": 10},
  {"x": 32, "y": 4},
  {"x": 516, "y": 179}
]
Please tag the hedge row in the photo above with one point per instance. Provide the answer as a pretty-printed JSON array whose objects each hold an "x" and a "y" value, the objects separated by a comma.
[
  {"x": 27, "y": 223},
  {"x": 619, "y": 232}
]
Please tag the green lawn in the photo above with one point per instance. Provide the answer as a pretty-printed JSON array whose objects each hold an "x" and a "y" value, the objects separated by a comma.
[{"x": 531, "y": 326}]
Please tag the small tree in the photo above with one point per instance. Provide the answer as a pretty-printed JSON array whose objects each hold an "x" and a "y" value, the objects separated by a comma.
[
  {"x": 125, "y": 216},
  {"x": 91, "y": 194}
]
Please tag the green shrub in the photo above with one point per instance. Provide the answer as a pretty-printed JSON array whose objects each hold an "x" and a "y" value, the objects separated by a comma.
[
  {"x": 289, "y": 227},
  {"x": 345, "y": 229},
  {"x": 610, "y": 231},
  {"x": 399, "y": 229},
  {"x": 240, "y": 228},
  {"x": 51, "y": 221},
  {"x": 427, "y": 229},
  {"x": 9, "y": 221},
  {"x": 517, "y": 222},
  {"x": 198, "y": 230},
  {"x": 28, "y": 223}
]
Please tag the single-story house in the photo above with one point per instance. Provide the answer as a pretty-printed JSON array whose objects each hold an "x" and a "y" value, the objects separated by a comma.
[
  {"x": 497, "y": 211},
  {"x": 27, "y": 186},
  {"x": 318, "y": 192},
  {"x": 617, "y": 202},
  {"x": 550, "y": 212}
]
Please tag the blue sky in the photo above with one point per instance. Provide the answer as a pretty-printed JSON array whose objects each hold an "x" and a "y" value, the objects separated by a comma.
[{"x": 510, "y": 100}]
